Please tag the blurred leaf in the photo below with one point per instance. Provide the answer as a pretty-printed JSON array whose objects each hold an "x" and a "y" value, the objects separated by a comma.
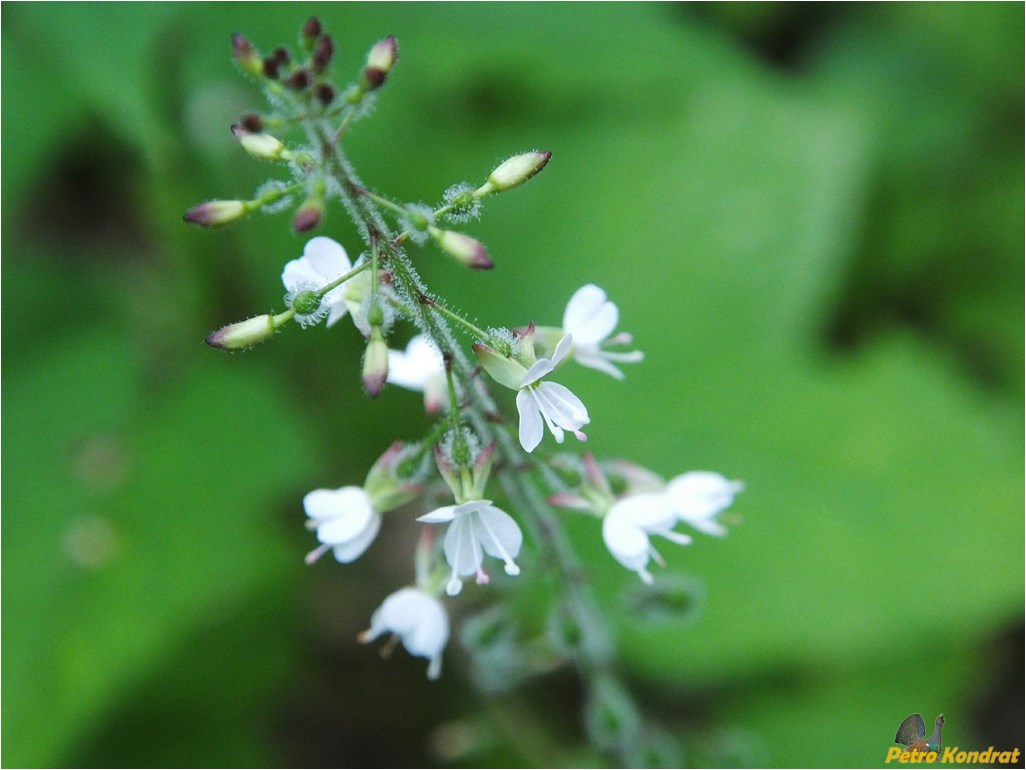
[{"x": 120, "y": 497}]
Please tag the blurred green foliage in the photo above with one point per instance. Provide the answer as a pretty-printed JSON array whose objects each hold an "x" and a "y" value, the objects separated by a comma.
[{"x": 811, "y": 218}]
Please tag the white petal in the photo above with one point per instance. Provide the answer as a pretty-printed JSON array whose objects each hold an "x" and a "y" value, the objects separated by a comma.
[
  {"x": 337, "y": 306},
  {"x": 347, "y": 526},
  {"x": 440, "y": 515},
  {"x": 652, "y": 512},
  {"x": 562, "y": 348},
  {"x": 594, "y": 358},
  {"x": 589, "y": 317},
  {"x": 299, "y": 272},
  {"x": 413, "y": 368},
  {"x": 351, "y": 550},
  {"x": 627, "y": 543},
  {"x": 531, "y": 426},
  {"x": 324, "y": 504},
  {"x": 701, "y": 494},
  {"x": 327, "y": 257},
  {"x": 418, "y": 618},
  {"x": 500, "y": 534},
  {"x": 461, "y": 546},
  {"x": 538, "y": 369},
  {"x": 562, "y": 406}
]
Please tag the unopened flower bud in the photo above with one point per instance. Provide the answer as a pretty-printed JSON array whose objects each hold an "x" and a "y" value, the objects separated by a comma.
[
  {"x": 385, "y": 485},
  {"x": 375, "y": 363},
  {"x": 465, "y": 249},
  {"x": 380, "y": 61},
  {"x": 312, "y": 28},
  {"x": 325, "y": 93},
  {"x": 324, "y": 49},
  {"x": 514, "y": 172},
  {"x": 298, "y": 80},
  {"x": 243, "y": 334},
  {"x": 308, "y": 216},
  {"x": 247, "y": 56},
  {"x": 215, "y": 213},
  {"x": 260, "y": 145}
]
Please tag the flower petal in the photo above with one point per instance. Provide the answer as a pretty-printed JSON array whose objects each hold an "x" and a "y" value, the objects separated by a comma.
[
  {"x": 531, "y": 426},
  {"x": 627, "y": 543},
  {"x": 352, "y": 549},
  {"x": 440, "y": 515},
  {"x": 461, "y": 546},
  {"x": 327, "y": 257},
  {"x": 562, "y": 406},
  {"x": 347, "y": 526},
  {"x": 299, "y": 272},
  {"x": 322, "y": 504},
  {"x": 589, "y": 317},
  {"x": 650, "y": 511},
  {"x": 500, "y": 534}
]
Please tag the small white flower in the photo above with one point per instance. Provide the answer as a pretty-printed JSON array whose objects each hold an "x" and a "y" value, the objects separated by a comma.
[
  {"x": 420, "y": 368},
  {"x": 346, "y": 522},
  {"x": 536, "y": 400},
  {"x": 627, "y": 525},
  {"x": 698, "y": 496},
  {"x": 476, "y": 528},
  {"x": 590, "y": 318},
  {"x": 418, "y": 619},
  {"x": 322, "y": 262}
]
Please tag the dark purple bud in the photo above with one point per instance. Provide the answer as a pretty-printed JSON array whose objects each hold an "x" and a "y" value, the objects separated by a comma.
[
  {"x": 252, "y": 123},
  {"x": 281, "y": 55},
  {"x": 270, "y": 68},
  {"x": 298, "y": 80},
  {"x": 312, "y": 28},
  {"x": 325, "y": 93},
  {"x": 322, "y": 54}
]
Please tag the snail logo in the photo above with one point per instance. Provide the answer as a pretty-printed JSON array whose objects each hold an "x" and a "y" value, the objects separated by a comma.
[
  {"x": 920, "y": 748},
  {"x": 912, "y": 733}
]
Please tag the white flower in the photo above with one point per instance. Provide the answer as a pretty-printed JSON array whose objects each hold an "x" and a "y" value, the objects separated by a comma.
[
  {"x": 346, "y": 522},
  {"x": 418, "y": 619},
  {"x": 420, "y": 368},
  {"x": 627, "y": 525},
  {"x": 536, "y": 400},
  {"x": 477, "y": 527},
  {"x": 323, "y": 261},
  {"x": 699, "y": 495},
  {"x": 590, "y": 318}
]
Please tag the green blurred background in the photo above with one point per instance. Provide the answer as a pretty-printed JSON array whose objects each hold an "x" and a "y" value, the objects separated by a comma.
[{"x": 811, "y": 217}]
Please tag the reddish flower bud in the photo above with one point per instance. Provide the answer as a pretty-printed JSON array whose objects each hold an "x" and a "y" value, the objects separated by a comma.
[
  {"x": 308, "y": 216},
  {"x": 323, "y": 51},
  {"x": 312, "y": 28},
  {"x": 246, "y": 55}
]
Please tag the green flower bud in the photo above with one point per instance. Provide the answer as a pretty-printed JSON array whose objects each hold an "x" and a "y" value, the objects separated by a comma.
[
  {"x": 243, "y": 334},
  {"x": 514, "y": 172},
  {"x": 215, "y": 213},
  {"x": 375, "y": 363},
  {"x": 466, "y": 250},
  {"x": 261, "y": 145}
]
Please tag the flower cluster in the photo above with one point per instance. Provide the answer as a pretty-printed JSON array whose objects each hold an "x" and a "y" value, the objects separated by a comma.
[{"x": 445, "y": 479}]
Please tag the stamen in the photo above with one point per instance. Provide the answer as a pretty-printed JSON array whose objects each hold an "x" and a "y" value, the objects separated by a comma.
[{"x": 316, "y": 553}]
